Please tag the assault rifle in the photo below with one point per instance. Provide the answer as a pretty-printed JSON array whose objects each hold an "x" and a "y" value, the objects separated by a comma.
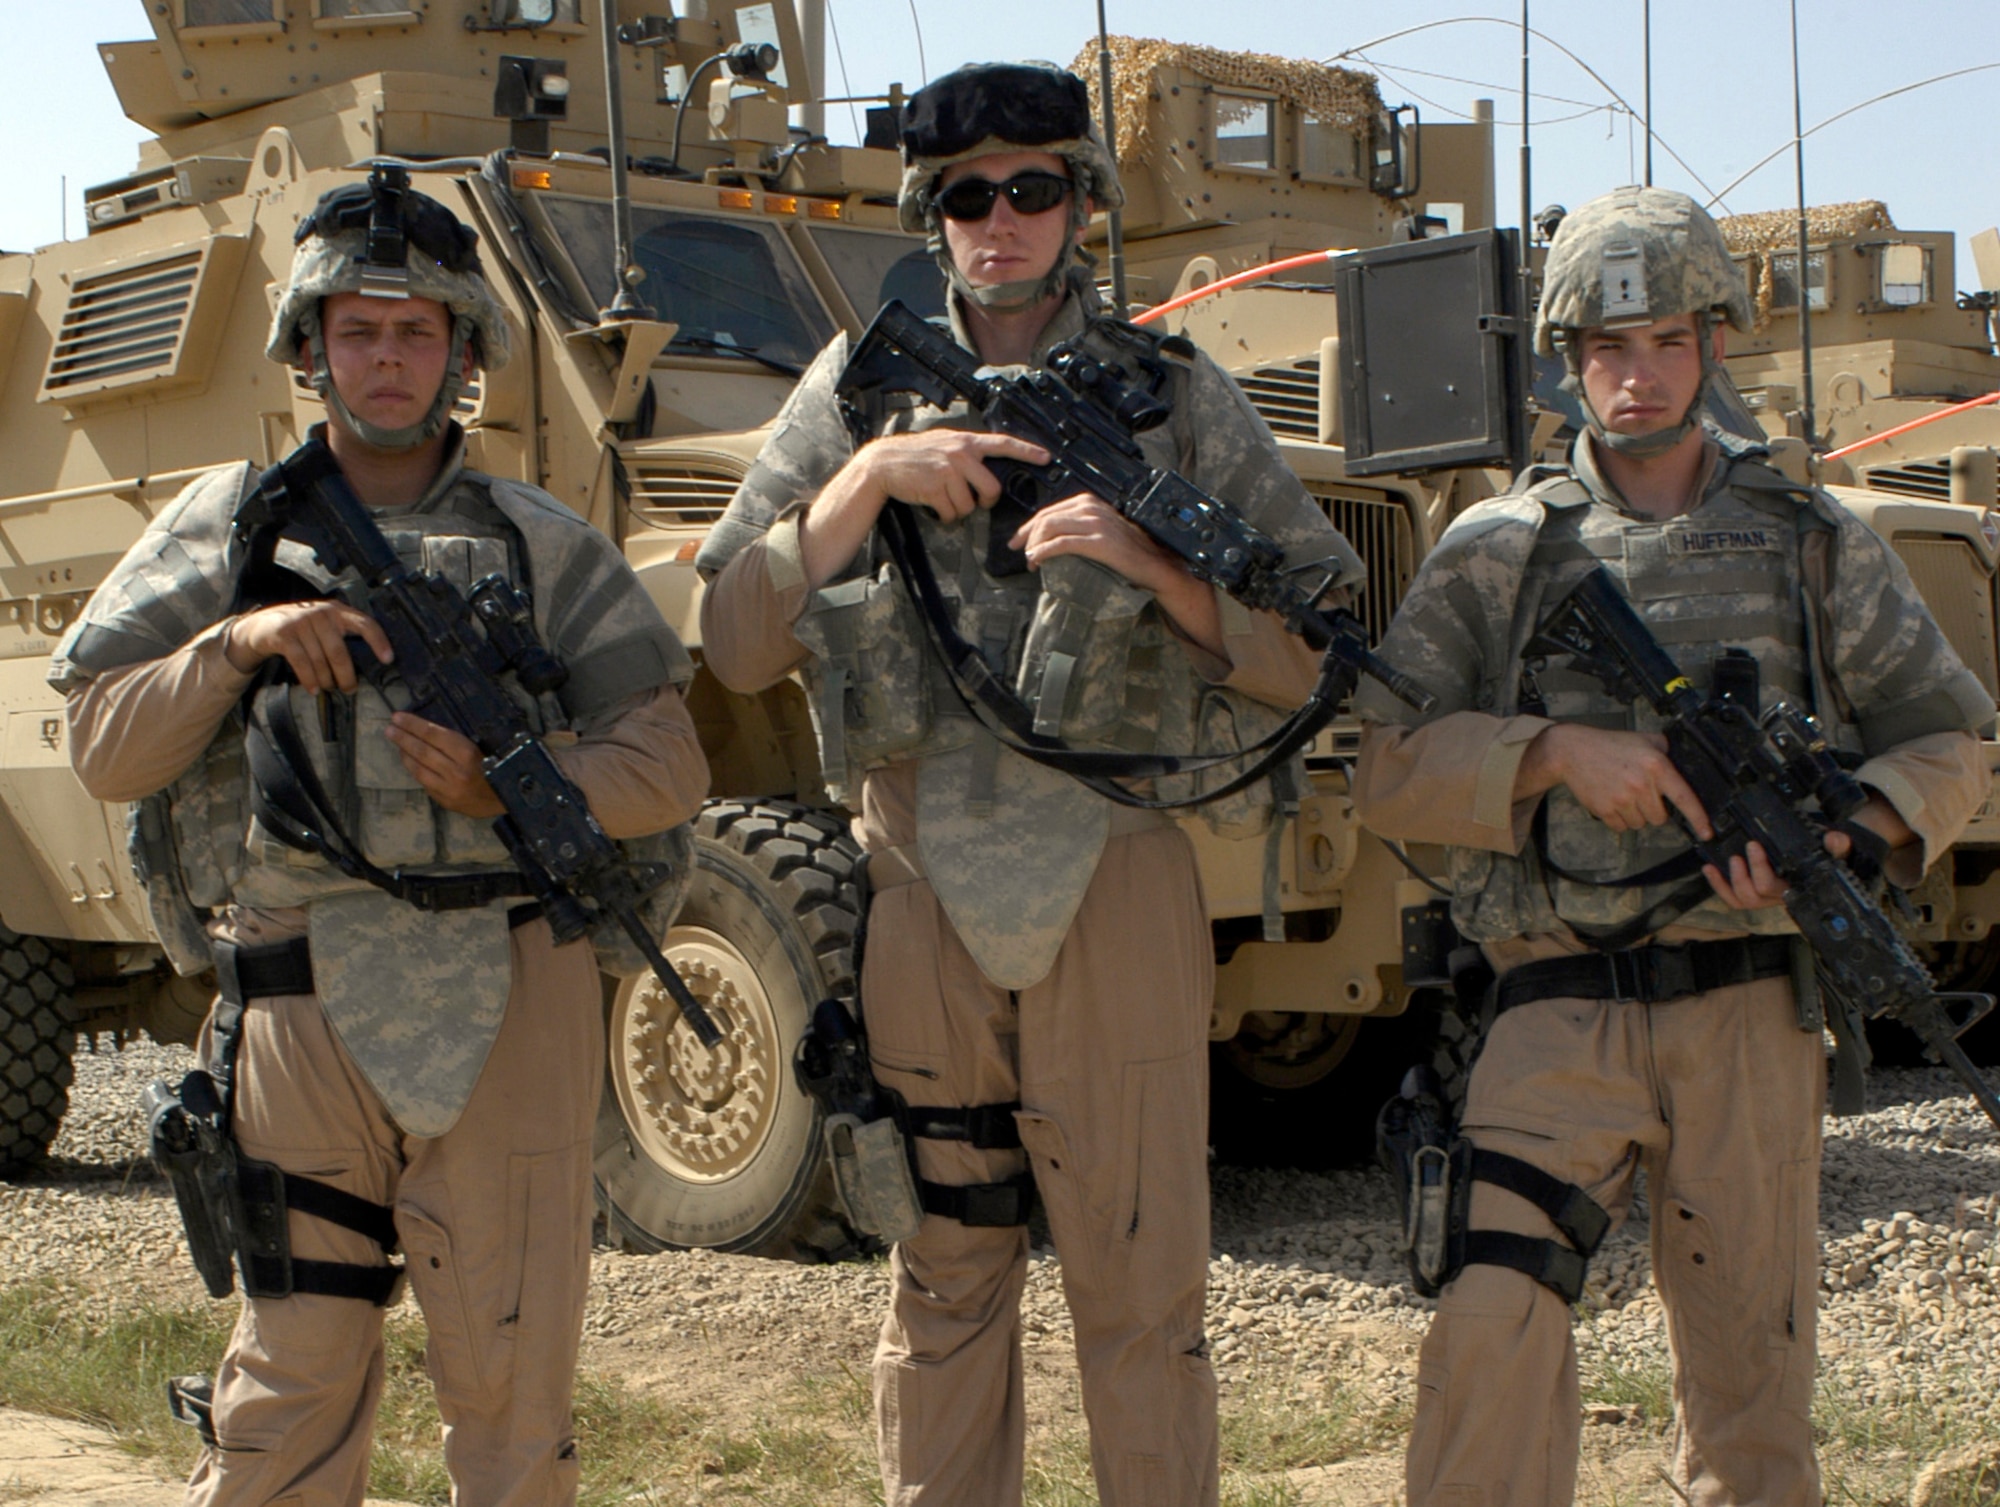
[
  {"x": 1769, "y": 780},
  {"x": 1085, "y": 416},
  {"x": 449, "y": 651}
]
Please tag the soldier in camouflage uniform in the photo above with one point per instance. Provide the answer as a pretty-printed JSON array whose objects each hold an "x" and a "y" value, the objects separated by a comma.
[
  {"x": 1684, "y": 1049},
  {"x": 1038, "y": 976},
  {"x": 439, "y": 1068}
]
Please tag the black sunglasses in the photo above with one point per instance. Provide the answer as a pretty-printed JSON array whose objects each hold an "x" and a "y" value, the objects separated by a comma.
[{"x": 1031, "y": 193}]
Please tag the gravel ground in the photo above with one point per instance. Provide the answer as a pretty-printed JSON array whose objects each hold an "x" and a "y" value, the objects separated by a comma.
[{"x": 1305, "y": 1276}]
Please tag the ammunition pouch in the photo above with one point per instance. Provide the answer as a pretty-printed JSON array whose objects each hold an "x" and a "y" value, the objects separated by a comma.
[
  {"x": 237, "y": 1211},
  {"x": 1434, "y": 1168}
]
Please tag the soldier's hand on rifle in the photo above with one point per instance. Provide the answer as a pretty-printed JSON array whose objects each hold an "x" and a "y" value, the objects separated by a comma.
[
  {"x": 1623, "y": 779},
  {"x": 447, "y": 764},
  {"x": 944, "y": 470},
  {"x": 1088, "y": 526},
  {"x": 312, "y": 638}
]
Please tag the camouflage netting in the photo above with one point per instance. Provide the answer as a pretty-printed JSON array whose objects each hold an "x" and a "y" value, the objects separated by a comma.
[
  {"x": 1340, "y": 96},
  {"x": 1755, "y": 237}
]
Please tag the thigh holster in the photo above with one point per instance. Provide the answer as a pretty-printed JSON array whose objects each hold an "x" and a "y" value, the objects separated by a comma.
[
  {"x": 1435, "y": 1167},
  {"x": 237, "y": 1211}
]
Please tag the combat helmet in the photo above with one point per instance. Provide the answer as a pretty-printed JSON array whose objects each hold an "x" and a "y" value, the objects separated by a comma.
[
  {"x": 984, "y": 108},
  {"x": 1628, "y": 259},
  {"x": 386, "y": 240}
]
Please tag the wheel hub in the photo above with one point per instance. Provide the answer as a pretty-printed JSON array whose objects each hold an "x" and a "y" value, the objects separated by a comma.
[{"x": 702, "y": 1115}]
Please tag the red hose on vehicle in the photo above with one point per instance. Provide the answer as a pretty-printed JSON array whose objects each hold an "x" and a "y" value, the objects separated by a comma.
[
  {"x": 1889, "y": 434},
  {"x": 1237, "y": 279}
]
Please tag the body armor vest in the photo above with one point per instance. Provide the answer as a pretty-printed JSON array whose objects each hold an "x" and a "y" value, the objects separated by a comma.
[
  {"x": 1727, "y": 574},
  {"x": 226, "y": 855},
  {"x": 1087, "y": 650}
]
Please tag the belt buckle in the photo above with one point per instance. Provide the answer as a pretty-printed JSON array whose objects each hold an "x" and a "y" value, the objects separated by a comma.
[
  {"x": 992, "y": 1205},
  {"x": 1670, "y": 973}
]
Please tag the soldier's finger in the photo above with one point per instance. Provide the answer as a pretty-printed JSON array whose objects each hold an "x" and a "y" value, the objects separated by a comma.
[
  {"x": 365, "y": 628},
  {"x": 306, "y": 655},
  {"x": 980, "y": 482},
  {"x": 1011, "y": 448},
  {"x": 1763, "y": 877},
  {"x": 1677, "y": 790}
]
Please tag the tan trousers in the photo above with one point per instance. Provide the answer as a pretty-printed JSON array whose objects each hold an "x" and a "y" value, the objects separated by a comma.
[
  {"x": 1108, "y": 1057},
  {"x": 1719, "y": 1096},
  {"x": 494, "y": 1217}
]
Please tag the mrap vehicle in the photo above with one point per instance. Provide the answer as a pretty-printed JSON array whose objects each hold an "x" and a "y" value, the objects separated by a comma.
[{"x": 133, "y": 362}]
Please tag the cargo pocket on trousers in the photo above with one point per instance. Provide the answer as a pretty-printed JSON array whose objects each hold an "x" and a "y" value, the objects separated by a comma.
[
  {"x": 459, "y": 1362},
  {"x": 1694, "y": 1283},
  {"x": 1160, "y": 1230},
  {"x": 1076, "y": 1235},
  {"x": 547, "y": 1265}
]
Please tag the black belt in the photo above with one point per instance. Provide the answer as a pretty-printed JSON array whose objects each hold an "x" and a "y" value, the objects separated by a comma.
[{"x": 1649, "y": 975}]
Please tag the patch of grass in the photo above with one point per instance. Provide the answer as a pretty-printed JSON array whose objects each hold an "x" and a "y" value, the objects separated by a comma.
[
  {"x": 805, "y": 1452},
  {"x": 1272, "y": 1424},
  {"x": 1643, "y": 1384},
  {"x": 112, "y": 1374},
  {"x": 1872, "y": 1452}
]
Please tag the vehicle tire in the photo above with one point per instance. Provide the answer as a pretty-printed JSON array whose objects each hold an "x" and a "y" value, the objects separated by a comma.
[
  {"x": 724, "y": 1150},
  {"x": 1293, "y": 1090},
  {"x": 37, "y": 1044}
]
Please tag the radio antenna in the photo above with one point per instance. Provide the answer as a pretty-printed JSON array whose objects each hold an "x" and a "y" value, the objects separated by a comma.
[
  {"x": 625, "y": 301},
  {"x": 1646, "y": 21},
  {"x": 1805, "y": 293},
  {"x": 1115, "y": 219}
]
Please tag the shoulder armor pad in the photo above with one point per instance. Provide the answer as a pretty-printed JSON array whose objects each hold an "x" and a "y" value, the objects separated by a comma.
[{"x": 1554, "y": 487}]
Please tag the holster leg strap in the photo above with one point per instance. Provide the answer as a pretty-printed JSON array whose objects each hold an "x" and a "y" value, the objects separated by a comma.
[
  {"x": 1581, "y": 1219},
  {"x": 981, "y": 1205},
  {"x": 989, "y": 1127}
]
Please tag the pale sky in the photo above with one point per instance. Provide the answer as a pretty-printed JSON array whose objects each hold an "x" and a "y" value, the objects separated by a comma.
[{"x": 1721, "y": 88}]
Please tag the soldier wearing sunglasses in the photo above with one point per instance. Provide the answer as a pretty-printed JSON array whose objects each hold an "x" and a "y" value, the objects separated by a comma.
[{"x": 1039, "y": 970}]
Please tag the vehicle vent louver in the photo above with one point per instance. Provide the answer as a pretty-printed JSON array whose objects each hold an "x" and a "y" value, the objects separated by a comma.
[
  {"x": 1287, "y": 397},
  {"x": 674, "y": 492},
  {"x": 151, "y": 325},
  {"x": 1913, "y": 478},
  {"x": 122, "y": 322}
]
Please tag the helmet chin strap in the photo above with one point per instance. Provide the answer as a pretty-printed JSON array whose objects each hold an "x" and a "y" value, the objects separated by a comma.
[
  {"x": 409, "y": 436},
  {"x": 1660, "y": 441}
]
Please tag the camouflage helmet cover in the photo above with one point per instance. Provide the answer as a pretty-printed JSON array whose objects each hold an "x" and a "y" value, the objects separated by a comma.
[
  {"x": 328, "y": 263},
  {"x": 984, "y": 108},
  {"x": 1635, "y": 256}
]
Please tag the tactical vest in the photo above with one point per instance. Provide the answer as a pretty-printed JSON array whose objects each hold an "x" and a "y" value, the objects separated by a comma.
[
  {"x": 226, "y": 854},
  {"x": 1727, "y": 574},
  {"x": 1088, "y": 651}
]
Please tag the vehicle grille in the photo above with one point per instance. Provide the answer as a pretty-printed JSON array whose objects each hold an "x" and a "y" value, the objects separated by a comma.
[
  {"x": 670, "y": 492},
  {"x": 1287, "y": 397},
  {"x": 121, "y": 323},
  {"x": 1959, "y": 591},
  {"x": 1379, "y": 528},
  {"x": 1915, "y": 478}
]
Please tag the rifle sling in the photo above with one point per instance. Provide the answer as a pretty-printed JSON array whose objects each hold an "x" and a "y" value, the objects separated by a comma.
[
  {"x": 1012, "y": 723},
  {"x": 287, "y": 796}
]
